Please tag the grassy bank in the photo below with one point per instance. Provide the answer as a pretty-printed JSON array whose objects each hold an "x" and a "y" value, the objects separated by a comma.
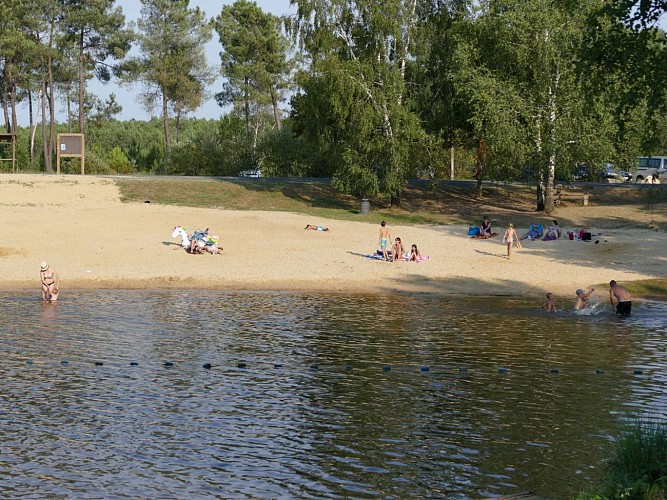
[{"x": 633, "y": 205}]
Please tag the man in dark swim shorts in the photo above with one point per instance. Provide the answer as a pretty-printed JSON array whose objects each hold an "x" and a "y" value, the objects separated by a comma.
[{"x": 624, "y": 305}]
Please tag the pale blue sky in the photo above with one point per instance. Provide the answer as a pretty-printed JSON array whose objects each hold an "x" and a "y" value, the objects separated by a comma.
[{"x": 127, "y": 96}]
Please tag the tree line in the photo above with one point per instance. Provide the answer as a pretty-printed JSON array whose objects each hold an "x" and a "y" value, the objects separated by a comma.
[{"x": 368, "y": 93}]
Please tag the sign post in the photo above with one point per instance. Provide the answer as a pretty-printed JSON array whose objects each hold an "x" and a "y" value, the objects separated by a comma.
[{"x": 71, "y": 145}]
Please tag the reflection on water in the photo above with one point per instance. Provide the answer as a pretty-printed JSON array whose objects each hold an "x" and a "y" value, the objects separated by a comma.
[{"x": 315, "y": 396}]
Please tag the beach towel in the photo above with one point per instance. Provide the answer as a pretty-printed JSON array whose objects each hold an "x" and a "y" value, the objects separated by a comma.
[
  {"x": 480, "y": 237},
  {"x": 378, "y": 255}
]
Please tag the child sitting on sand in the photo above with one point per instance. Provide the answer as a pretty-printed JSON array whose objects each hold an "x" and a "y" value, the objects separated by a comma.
[
  {"x": 397, "y": 250},
  {"x": 415, "y": 256}
]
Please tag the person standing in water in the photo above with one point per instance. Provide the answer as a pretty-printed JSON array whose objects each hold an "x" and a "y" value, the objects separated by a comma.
[
  {"x": 510, "y": 236},
  {"x": 624, "y": 305},
  {"x": 385, "y": 238},
  {"x": 550, "y": 304},
  {"x": 50, "y": 282}
]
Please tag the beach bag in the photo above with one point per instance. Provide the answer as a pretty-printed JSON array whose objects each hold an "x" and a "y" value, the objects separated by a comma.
[
  {"x": 473, "y": 231},
  {"x": 519, "y": 246},
  {"x": 586, "y": 236}
]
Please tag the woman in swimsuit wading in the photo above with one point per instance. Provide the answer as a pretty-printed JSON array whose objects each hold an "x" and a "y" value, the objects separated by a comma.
[{"x": 50, "y": 282}]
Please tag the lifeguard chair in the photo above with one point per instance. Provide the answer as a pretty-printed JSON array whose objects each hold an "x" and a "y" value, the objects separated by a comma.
[{"x": 7, "y": 140}]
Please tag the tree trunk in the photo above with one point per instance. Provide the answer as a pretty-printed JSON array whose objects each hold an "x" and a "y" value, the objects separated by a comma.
[
  {"x": 479, "y": 166},
  {"x": 178, "y": 125},
  {"x": 5, "y": 93},
  {"x": 276, "y": 111},
  {"x": 540, "y": 195},
  {"x": 81, "y": 89},
  {"x": 31, "y": 137},
  {"x": 551, "y": 168},
  {"x": 246, "y": 106},
  {"x": 48, "y": 165},
  {"x": 165, "y": 123},
  {"x": 51, "y": 93}
]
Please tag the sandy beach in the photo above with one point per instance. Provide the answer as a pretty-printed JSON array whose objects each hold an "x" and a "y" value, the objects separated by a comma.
[{"x": 80, "y": 226}]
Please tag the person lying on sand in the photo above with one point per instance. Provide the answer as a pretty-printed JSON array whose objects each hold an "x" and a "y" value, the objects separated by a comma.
[{"x": 316, "y": 228}]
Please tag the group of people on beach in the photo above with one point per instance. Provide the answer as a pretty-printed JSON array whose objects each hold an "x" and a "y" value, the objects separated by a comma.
[
  {"x": 511, "y": 237},
  {"x": 397, "y": 251},
  {"x": 617, "y": 293}
]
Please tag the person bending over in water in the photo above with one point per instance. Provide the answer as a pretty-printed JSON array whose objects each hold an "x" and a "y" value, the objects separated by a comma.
[
  {"x": 50, "y": 282},
  {"x": 624, "y": 305},
  {"x": 582, "y": 299},
  {"x": 550, "y": 304}
]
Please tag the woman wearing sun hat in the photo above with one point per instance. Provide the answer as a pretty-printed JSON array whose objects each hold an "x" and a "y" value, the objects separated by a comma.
[{"x": 50, "y": 282}]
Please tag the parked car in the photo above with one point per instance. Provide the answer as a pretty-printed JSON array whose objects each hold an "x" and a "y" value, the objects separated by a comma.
[
  {"x": 651, "y": 166},
  {"x": 253, "y": 172},
  {"x": 612, "y": 174},
  {"x": 583, "y": 173}
]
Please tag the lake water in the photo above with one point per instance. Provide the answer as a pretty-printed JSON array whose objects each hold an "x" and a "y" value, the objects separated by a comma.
[{"x": 105, "y": 394}]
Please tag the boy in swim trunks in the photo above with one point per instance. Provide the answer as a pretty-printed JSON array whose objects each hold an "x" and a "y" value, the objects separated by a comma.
[
  {"x": 385, "y": 238},
  {"x": 624, "y": 305}
]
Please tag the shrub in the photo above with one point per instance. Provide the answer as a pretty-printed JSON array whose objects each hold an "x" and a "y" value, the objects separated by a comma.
[{"x": 638, "y": 469}]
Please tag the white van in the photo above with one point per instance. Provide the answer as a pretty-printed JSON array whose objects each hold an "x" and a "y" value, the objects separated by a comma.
[{"x": 650, "y": 165}]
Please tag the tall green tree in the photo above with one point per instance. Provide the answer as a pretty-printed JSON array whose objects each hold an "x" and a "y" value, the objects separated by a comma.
[
  {"x": 517, "y": 72},
  {"x": 172, "y": 65},
  {"x": 353, "y": 102},
  {"x": 97, "y": 29},
  {"x": 255, "y": 58}
]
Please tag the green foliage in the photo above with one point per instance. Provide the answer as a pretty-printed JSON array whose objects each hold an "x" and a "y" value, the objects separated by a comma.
[
  {"x": 254, "y": 60},
  {"x": 638, "y": 468},
  {"x": 282, "y": 154},
  {"x": 118, "y": 162},
  {"x": 172, "y": 39}
]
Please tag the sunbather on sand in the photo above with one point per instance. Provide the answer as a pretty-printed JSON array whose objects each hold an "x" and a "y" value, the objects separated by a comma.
[{"x": 316, "y": 228}]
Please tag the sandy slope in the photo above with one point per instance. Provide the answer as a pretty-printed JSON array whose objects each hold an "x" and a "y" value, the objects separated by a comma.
[{"x": 93, "y": 240}]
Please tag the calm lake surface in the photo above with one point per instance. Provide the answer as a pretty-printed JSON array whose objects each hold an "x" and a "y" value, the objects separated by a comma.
[{"x": 105, "y": 394}]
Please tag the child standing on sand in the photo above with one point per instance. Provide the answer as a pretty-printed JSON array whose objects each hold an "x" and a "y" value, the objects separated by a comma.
[
  {"x": 385, "y": 238},
  {"x": 509, "y": 237}
]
